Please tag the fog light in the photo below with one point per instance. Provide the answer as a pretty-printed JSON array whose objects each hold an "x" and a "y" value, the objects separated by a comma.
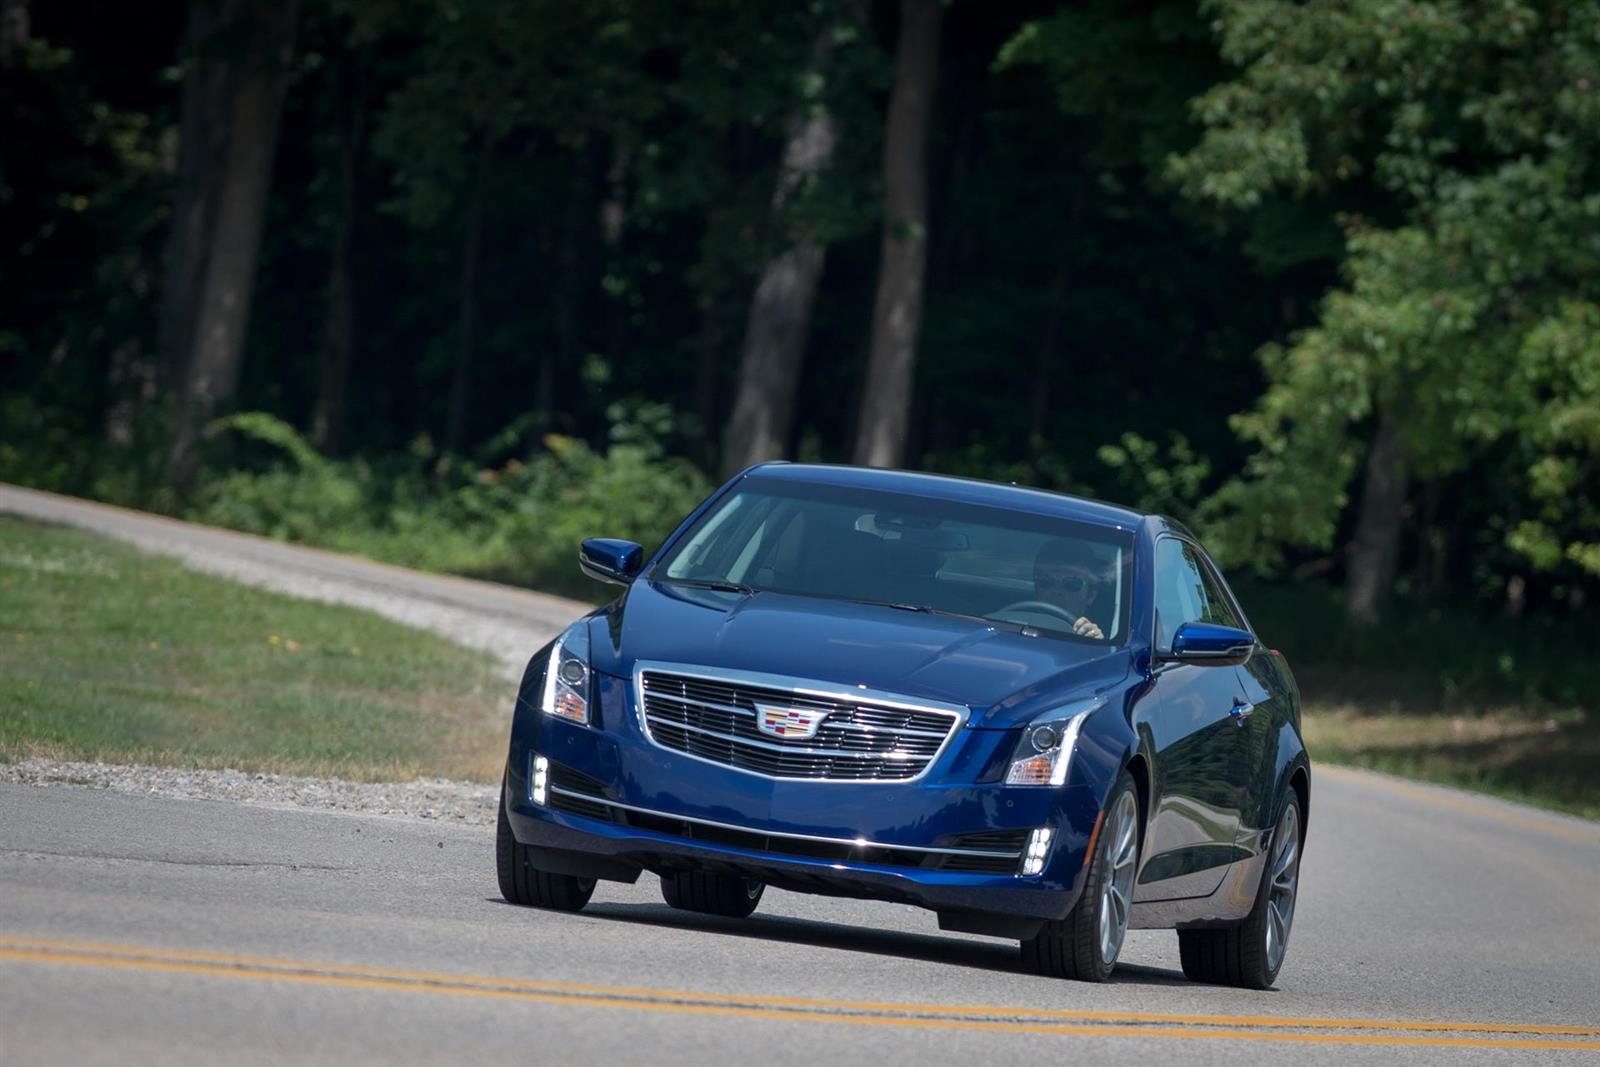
[
  {"x": 1038, "y": 845},
  {"x": 541, "y": 780}
]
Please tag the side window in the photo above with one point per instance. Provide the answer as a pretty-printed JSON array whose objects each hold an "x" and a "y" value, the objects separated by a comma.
[
  {"x": 1185, "y": 592},
  {"x": 1218, "y": 609}
]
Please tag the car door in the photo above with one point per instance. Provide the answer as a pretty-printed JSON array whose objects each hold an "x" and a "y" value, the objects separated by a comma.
[{"x": 1201, "y": 760}]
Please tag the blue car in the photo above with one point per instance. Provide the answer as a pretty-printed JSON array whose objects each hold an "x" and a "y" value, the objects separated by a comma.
[{"x": 1041, "y": 717}]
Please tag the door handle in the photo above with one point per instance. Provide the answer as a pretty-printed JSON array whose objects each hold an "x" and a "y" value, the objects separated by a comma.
[{"x": 1241, "y": 711}]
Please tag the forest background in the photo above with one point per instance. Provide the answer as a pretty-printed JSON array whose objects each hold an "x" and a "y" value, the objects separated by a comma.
[{"x": 455, "y": 283}]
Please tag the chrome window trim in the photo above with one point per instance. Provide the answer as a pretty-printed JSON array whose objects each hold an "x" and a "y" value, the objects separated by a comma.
[
  {"x": 800, "y": 687},
  {"x": 1227, "y": 653},
  {"x": 853, "y": 842},
  {"x": 1205, "y": 562}
]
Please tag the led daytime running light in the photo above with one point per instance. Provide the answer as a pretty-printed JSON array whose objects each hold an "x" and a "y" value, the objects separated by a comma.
[
  {"x": 541, "y": 780},
  {"x": 1038, "y": 848}
]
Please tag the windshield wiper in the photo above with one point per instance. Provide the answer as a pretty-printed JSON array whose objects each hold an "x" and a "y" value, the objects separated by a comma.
[
  {"x": 712, "y": 583},
  {"x": 926, "y": 609}
]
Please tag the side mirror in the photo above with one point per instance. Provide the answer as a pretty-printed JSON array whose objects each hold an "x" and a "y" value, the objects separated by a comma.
[
  {"x": 610, "y": 560},
  {"x": 1206, "y": 643}
]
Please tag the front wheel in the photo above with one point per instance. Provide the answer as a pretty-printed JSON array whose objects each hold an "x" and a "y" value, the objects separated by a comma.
[
  {"x": 1251, "y": 953},
  {"x": 523, "y": 883},
  {"x": 1085, "y": 944},
  {"x": 711, "y": 894}
]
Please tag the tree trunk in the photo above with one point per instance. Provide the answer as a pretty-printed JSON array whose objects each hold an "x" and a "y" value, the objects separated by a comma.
[
  {"x": 467, "y": 334},
  {"x": 209, "y": 83},
  {"x": 1433, "y": 549},
  {"x": 327, "y": 424},
  {"x": 1045, "y": 360},
  {"x": 130, "y": 385},
  {"x": 711, "y": 341},
  {"x": 212, "y": 375},
  {"x": 897, "y": 312},
  {"x": 14, "y": 31},
  {"x": 613, "y": 226},
  {"x": 1376, "y": 551},
  {"x": 574, "y": 255},
  {"x": 780, "y": 312}
]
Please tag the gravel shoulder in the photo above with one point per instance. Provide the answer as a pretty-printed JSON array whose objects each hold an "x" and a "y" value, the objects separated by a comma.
[
  {"x": 508, "y": 623},
  {"x": 462, "y": 803}
]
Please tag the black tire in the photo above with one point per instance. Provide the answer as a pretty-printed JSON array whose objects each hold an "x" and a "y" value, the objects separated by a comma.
[
  {"x": 523, "y": 883},
  {"x": 1237, "y": 955},
  {"x": 711, "y": 894},
  {"x": 1070, "y": 947}
]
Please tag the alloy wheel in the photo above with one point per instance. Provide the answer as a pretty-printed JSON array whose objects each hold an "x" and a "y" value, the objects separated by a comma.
[
  {"x": 1116, "y": 892},
  {"x": 1282, "y": 886}
]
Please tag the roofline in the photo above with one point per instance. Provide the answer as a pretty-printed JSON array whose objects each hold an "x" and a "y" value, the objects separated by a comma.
[{"x": 1126, "y": 514}]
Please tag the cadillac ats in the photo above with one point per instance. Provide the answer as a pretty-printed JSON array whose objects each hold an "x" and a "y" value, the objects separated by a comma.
[{"x": 1041, "y": 717}]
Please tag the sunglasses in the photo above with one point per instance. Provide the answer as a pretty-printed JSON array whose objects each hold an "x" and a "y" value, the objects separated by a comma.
[{"x": 1067, "y": 583}]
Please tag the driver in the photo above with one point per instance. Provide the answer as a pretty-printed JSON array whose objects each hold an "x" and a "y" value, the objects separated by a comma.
[{"x": 1067, "y": 575}]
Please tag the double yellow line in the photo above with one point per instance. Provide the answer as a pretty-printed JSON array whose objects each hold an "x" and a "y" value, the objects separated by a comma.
[{"x": 1292, "y": 1029}]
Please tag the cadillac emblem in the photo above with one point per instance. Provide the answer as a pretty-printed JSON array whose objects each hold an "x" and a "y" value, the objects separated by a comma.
[{"x": 799, "y": 723}]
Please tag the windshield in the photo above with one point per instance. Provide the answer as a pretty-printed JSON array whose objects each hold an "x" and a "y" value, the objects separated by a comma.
[{"x": 1029, "y": 572}]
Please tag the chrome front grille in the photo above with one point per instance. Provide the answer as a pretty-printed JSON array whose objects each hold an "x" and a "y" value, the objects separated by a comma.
[{"x": 714, "y": 718}]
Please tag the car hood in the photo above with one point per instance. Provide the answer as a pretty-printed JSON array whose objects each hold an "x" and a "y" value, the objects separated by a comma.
[{"x": 1005, "y": 677}]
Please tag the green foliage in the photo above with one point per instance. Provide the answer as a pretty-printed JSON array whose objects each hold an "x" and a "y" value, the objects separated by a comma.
[
  {"x": 1559, "y": 371},
  {"x": 1105, "y": 261},
  {"x": 1426, "y": 659},
  {"x": 1462, "y": 314},
  {"x": 492, "y": 80},
  {"x": 519, "y": 522},
  {"x": 44, "y": 446},
  {"x": 83, "y": 197},
  {"x": 1172, "y": 483},
  {"x": 1133, "y": 69}
]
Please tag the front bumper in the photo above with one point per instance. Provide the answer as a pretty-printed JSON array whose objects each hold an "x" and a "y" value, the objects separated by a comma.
[{"x": 950, "y": 841}]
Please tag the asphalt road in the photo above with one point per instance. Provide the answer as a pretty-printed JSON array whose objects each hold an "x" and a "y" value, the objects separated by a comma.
[{"x": 1434, "y": 926}]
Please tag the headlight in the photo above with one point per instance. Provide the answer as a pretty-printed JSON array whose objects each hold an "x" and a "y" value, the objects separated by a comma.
[
  {"x": 1045, "y": 751},
  {"x": 566, "y": 676}
]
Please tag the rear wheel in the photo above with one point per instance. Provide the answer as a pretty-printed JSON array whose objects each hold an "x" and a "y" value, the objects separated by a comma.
[
  {"x": 523, "y": 883},
  {"x": 711, "y": 894},
  {"x": 1085, "y": 944},
  {"x": 1251, "y": 954}
]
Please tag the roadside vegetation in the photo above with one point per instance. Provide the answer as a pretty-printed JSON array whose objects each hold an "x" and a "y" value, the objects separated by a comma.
[
  {"x": 108, "y": 654},
  {"x": 1447, "y": 695}
]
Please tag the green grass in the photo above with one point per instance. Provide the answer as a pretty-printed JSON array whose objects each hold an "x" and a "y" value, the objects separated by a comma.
[
  {"x": 109, "y": 654},
  {"x": 1549, "y": 762},
  {"x": 1446, "y": 695}
]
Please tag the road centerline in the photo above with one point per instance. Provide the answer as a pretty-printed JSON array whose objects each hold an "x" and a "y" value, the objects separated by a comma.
[{"x": 1290, "y": 1029}]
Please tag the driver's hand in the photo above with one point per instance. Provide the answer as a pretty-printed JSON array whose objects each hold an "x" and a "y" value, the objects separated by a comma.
[{"x": 1085, "y": 628}]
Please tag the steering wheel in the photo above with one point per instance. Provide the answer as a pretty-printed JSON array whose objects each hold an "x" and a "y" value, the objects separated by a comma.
[{"x": 1041, "y": 606}]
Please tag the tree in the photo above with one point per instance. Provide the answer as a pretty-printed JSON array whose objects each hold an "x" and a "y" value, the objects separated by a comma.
[
  {"x": 211, "y": 370},
  {"x": 83, "y": 185},
  {"x": 1476, "y": 124},
  {"x": 501, "y": 94},
  {"x": 897, "y": 311},
  {"x": 210, "y": 64},
  {"x": 338, "y": 347},
  {"x": 14, "y": 32},
  {"x": 780, "y": 311}
]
